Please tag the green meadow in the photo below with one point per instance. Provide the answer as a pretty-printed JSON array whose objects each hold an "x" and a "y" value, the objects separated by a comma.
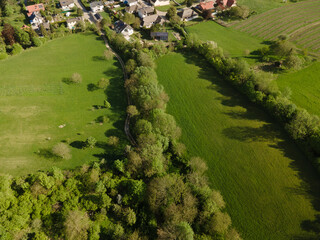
[
  {"x": 36, "y": 98},
  {"x": 270, "y": 188}
]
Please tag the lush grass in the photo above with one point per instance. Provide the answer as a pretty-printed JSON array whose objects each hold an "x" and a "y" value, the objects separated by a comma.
[
  {"x": 269, "y": 186},
  {"x": 34, "y": 101},
  {"x": 262, "y": 5},
  {"x": 233, "y": 42},
  {"x": 305, "y": 86}
]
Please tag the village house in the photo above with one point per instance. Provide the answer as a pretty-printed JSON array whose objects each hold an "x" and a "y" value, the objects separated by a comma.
[
  {"x": 67, "y": 4},
  {"x": 226, "y": 3},
  {"x": 132, "y": 9},
  {"x": 36, "y": 19},
  {"x": 206, "y": 5},
  {"x": 159, "y": 2},
  {"x": 145, "y": 11},
  {"x": 96, "y": 6},
  {"x": 123, "y": 28},
  {"x": 187, "y": 14},
  {"x": 131, "y": 2},
  {"x": 72, "y": 22},
  {"x": 160, "y": 36},
  {"x": 152, "y": 19},
  {"x": 34, "y": 8}
]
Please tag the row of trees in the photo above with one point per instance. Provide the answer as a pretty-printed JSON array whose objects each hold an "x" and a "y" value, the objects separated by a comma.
[
  {"x": 179, "y": 201},
  {"x": 302, "y": 126}
]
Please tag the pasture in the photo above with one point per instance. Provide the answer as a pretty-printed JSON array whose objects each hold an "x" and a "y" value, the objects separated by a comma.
[
  {"x": 233, "y": 42},
  {"x": 269, "y": 186},
  {"x": 305, "y": 87},
  {"x": 299, "y": 21},
  {"x": 262, "y": 5},
  {"x": 35, "y": 99}
]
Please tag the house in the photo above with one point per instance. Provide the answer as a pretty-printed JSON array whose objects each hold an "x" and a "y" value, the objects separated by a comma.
[
  {"x": 72, "y": 22},
  {"x": 206, "y": 5},
  {"x": 132, "y": 9},
  {"x": 160, "y": 35},
  {"x": 66, "y": 4},
  {"x": 97, "y": 16},
  {"x": 152, "y": 19},
  {"x": 96, "y": 6},
  {"x": 226, "y": 3},
  {"x": 187, "y": 14},
  {"x": 160, "y": 2},
  {"x": 36, "y": 19},
  {"x": 123, "y": 28},
  {"x": 131, "y": 2},
  {"x": 145, "y": 11},
  {"x": 34, "y": 8}
]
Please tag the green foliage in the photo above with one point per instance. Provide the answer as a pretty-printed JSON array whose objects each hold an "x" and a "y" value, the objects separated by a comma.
[
  {"x": 76, "y": 225},
  {"x": 106, "y": 104},
  {"x": 103, "y": 83},
  {"x": 91, "y": 142},
  {"x": 61, "y": 150},
  {"x": 76, "y": 78},
  {"x": 36, "y": 41}
]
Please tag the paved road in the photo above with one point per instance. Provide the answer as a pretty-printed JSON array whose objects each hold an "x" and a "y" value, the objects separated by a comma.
[{"x": 86, "y": 14}]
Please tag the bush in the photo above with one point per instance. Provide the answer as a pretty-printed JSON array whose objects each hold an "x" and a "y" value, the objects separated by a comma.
[
  {"x": 91, "y": 142},
  {"x": 36, "y": 42},
  {"x": 61, "y": 150},
  {"x": 3, "y": 55},
  {"x": 76, "y": 78},
  {"x": 103, "y": 83},
  {"x": 108, "y": 54},
  {"x": 16, "y": 49}
]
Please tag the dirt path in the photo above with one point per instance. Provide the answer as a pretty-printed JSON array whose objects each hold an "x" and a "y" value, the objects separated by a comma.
[{"x": 125, "y": 76}]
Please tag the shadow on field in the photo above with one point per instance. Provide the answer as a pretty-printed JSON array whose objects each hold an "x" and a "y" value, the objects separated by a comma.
[
  {"x": 47, "y": 153},
  {"x": 270, "y": 132}
]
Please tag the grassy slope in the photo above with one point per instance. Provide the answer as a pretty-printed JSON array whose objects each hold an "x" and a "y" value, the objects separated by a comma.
[
  {"x": 262, "y": 5},
  {"x": 233, "y": 42},
  {"x": 40, "y": 102},
  {"x": 305, "y": 86},
  {"x": 251, "y": 161}
]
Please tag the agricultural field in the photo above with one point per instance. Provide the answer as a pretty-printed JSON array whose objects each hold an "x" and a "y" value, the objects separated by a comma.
[
  {"x": 270, "y": 188},
  {"x": 233, "y": 42},
  {"x": 260, "y": 6},
  {"x": 305, "y": 87},
  {"x": 299, "y": 21},
  {"x": 36, "y": 98}
]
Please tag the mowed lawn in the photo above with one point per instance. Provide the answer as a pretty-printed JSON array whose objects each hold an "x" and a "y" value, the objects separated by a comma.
[
  {"x": 269, "y": 186},
  {"x": 305, "y": 87},
  {"x": 35, "y": 101},
  {"x": 233, "y": 42}
]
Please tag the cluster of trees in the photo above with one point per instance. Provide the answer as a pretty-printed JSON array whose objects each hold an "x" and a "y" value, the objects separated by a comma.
[
  {"x": 179, "y": 202},
  {"x": 237, "y": 12},
  {"x": 303, "y": 127},
  {"x": 283, "y": 52}
]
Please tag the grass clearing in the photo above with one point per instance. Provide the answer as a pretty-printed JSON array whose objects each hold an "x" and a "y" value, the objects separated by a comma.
[
  {"x": 305, "y": 86},
  {"x": 262, "y": 5},
  {"x": 35, "y": 101},
  {"x": 233, "y": 42},
  {"x": 270, "y": 188}
]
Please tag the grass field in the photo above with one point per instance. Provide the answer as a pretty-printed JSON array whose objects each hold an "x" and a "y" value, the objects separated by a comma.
[
  {"x": 300, "y": 21},
  {"x": 35, "y": 100},
  {"x": 233, "y": 42},
  {"x": 262, "y": 5},
  {"x": 305, "y": 86},
  {"x": 270, "y": 188}
]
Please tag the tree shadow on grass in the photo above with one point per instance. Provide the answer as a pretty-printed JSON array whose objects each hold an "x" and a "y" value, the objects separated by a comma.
[
  {"x": 269, "y": 132},
  {"x": 92, "y": 87},
  {"x": 47, "y": 154},
  {"x": 98, "y": 58},
  {"x": 67, "y": 81},
  {"x": 78, "y": 144}
]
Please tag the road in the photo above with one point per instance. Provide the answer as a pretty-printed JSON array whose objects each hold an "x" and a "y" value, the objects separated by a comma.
[{"x": 86, "y": 14}]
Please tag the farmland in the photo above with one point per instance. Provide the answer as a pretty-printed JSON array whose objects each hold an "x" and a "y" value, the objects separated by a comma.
[
  {"x": 269, "y": 187},
  {"x": 300, "y": 21},
  {"x": 36, "y": 99}
]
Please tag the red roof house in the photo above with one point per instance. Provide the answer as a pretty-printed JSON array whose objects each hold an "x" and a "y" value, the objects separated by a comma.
[
  {"x": 226, "y": 3},
  {"x": 206, "y": 5},
  {"x": 34, "y": 8}
]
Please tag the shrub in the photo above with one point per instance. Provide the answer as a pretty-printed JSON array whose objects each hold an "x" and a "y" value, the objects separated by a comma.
[
  {"x": 113, "y": 141},
  {"x": 76, "y": 78},
  {"x": 103, "y": 83},
  {"x": 3, "y": 55},
  {"x": 91, "y": 142},
  {"x": 36, "y": 42},
  {"x": 16, "y": 49},
  {"x": 108, "y": 54},
  {"x": 61, "y": 150}
]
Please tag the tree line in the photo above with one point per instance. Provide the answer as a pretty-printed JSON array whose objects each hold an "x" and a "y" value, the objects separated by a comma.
[{"x": 260, "y": 88}]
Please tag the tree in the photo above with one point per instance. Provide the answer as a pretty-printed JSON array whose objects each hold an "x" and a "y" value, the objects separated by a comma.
[
  {"x": 79, "y": 12},
  {"x": 129, "y": 216},
  {"x": 136, "y": 24},
  {"x": 76, "y": 225},
  {"x": 239, "y": 12},
  {"x": 130, "y": 66},
  {"x": 145, "y": 60},
  {"x": 292, "y": 62},
  {"x": 207, "y": 14},
  {"x": 22, "y": 37},
  {"x": 103, "y": 83},
  {"x": 8, "y": 10},
  {"x": 219, "y": 223},
  {"x": 61, "y": 150},
  {"x": 8, "y": 34},
  {"x": 106, "y": 104},
  {"x": 282, "y": 48},
  {"x": 172, "y": 11},
  {"x": 36, "y": 41},
  {"x": 16, "y": 49},
  {"x": 113, "y": 141},
  {"x": 108, "y": 54},
  {"x": 132, "y": 110},
  {"x": 189, "y": 2},
  {"x": 91, "y": 142},
  {"x": 76, "y": 78}
]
